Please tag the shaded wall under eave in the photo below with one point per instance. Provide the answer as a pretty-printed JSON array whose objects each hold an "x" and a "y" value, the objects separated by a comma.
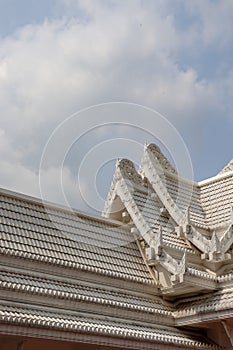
[{"x": 13, "y": 343}]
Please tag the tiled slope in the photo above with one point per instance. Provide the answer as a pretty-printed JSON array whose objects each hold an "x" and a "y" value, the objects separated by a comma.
[
  {"x": 70, "y": 239},
  {"x": 150, "y": 209},
  {"x": 70, "y": 323},
  {"x": 187, "y": 196},
  {"x": 217, "y": 199},
  {"x": 211, "y": 200},
  {"x": 218, "y": 301},
  {"x": 47, "y": 287}
]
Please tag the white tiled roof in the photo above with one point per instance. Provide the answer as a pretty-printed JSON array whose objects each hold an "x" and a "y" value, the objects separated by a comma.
[
  {"x": 217, "y": 199},
  {"x": 150, "y": 209},
  {"x": 187, "y": 227},
  {"x": 26, "y": 230},
  {"x": 26, "y": 283},
  {"x": 40, "y": 318},
  {"x": 213, "y": 303},
  {"x": 188, "y": 196},
  {"x": 177, "y": 244}
]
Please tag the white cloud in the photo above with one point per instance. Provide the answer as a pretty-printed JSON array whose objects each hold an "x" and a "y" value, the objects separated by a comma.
[
  {"x": 99, "y": 52},
  {"x": 16, "y": 177},
  {"x": 215, "y": 18}
]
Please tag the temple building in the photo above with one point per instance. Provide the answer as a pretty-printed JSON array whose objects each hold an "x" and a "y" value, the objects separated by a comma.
[{"x": 155, "y": 272}]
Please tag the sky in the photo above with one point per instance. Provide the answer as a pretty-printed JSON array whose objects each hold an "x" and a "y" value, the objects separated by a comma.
[{"x": 83, "y": 83}]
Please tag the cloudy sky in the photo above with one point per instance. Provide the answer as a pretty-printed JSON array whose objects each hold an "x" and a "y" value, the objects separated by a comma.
[{"x": 59, "y": 58}]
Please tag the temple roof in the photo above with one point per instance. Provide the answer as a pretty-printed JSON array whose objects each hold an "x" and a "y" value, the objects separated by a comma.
[
  {"x": 161, "y": 259},
  {"x": 185, "y": 227},
  {"x": 64, "y": 271}
]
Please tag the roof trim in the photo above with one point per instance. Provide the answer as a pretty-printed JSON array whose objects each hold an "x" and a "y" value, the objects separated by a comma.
[{"x": 215, "y": 178}]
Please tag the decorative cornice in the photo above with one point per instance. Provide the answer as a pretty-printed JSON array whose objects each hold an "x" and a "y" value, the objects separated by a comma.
[
  {"x": 152, "y": 168},
  {"x": 125, "y": 169},
  {"x": 156, "y": 252},
  {"x": 193, "y": 235},
  {"x": 213, "y": 248},
  {"x": 164, "y": 163}
]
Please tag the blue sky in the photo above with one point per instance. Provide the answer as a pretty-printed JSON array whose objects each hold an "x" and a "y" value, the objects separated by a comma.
[{"x": 60, "y": 56}]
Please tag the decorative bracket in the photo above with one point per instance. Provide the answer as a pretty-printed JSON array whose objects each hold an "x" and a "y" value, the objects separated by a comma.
[
  {"x": 179, "y": 275},
  {"x": 157, "y": 242},
  {"x": 214, "y": 248}
]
